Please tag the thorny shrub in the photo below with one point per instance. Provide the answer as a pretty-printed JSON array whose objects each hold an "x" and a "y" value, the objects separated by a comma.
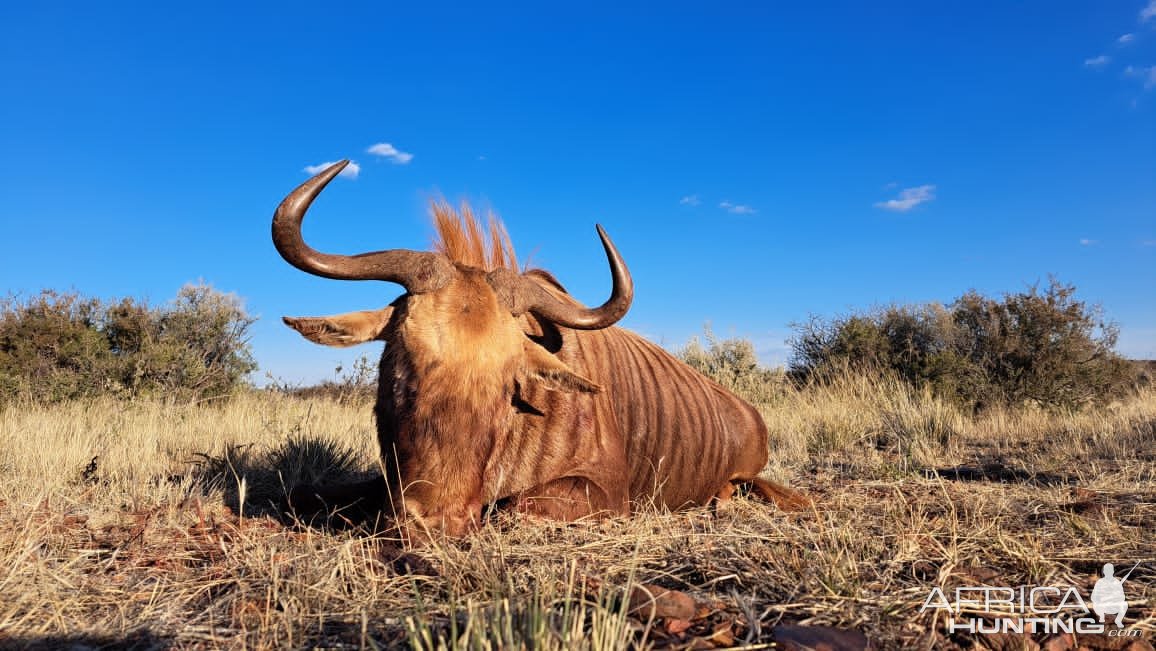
[
  {"x": 59, "y": 346},
  {"x": 733, "y": 364},
  {"x": 1039, "y": 346}
]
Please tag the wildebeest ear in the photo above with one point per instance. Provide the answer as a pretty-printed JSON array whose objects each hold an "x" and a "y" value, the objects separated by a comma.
[
  {"x": 342, "y": 330},
  {"x": 550, "y": 371}
]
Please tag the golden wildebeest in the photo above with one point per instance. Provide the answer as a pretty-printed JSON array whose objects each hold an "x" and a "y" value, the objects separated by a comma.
[{"x": 497, "y": 386}]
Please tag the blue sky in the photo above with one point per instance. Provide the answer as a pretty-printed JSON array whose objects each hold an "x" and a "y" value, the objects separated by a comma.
[{"x": 755, "y": 162}]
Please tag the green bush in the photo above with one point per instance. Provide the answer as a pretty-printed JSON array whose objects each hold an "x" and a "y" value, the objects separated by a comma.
[
  {"x": 916, "y": 343},
  {"x": 51, "y": 346},
  {"x": 1039, "y": 346},
  {"x": 59, "y": 346},
  {"x": 733, "y": 364}
]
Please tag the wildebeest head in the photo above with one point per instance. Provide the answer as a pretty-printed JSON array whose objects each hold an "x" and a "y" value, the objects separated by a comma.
[{"x": 457, "y": 342}]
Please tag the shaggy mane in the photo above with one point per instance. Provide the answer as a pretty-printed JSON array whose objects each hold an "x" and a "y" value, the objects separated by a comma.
[{"x": 463, "y": 239}]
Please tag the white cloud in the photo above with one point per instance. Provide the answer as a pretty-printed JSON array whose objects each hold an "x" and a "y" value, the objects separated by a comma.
[
  {"x": 1126, "y": 39},
  {"x": 1147, "y": 74},
  {"x": 386, "y": 150},
  {"x": 350, "y": 172},
  {"x": 909, "y": 198},
  {"x": 689, "y": 200},
  {"x": 1087, "y": 242},
  {"x": 737, "y": 208},
  {"x": 1096, "y": 62},
  {"x": 1149, "y": 11}
]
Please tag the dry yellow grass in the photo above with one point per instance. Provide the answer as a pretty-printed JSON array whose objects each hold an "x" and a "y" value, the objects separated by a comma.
[{"x": 170, "y": 537}]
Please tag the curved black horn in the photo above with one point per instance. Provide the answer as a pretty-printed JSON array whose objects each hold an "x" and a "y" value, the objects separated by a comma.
[
  {"x": 417, "y": 271},
  {"x": 523, "y": 295}
]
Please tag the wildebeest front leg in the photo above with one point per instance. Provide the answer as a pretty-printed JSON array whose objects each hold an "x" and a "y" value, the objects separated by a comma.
[{"x": 569, "y": 498}]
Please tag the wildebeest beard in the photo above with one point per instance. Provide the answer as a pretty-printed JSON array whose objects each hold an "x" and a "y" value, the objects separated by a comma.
[{"x": 437, "y": 427}]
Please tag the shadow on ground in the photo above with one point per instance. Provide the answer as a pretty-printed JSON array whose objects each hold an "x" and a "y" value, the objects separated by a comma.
[
  {"x": 306, "y": 481},
  {"x": 999, "y": 472},
  {"x": 143, "y": 640}
]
